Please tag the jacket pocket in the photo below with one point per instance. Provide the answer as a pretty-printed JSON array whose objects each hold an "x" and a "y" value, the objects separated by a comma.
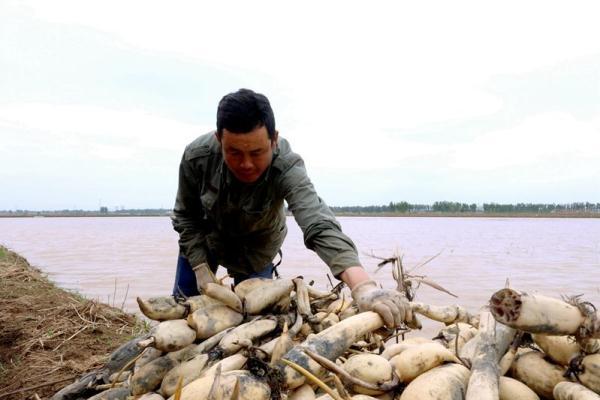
[{"x": 208, "y": 200}]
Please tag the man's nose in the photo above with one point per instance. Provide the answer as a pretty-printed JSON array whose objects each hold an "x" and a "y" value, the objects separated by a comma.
[{"x": 246, "y": 162}]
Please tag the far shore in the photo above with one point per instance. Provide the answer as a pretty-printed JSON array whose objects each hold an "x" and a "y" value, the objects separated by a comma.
[
  {"x": 480, "y": 214},
  {"x": 475, "y": 215}
]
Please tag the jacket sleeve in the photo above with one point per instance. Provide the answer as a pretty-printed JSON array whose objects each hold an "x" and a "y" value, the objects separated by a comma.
[
  {"x": 322, "y": 232},
  {"x": 188, "y": 215}
]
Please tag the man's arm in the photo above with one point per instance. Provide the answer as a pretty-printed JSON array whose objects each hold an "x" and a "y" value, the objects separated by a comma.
[
  {"x": 323, "y": 234},
  {"x": 354, "y": 276}
]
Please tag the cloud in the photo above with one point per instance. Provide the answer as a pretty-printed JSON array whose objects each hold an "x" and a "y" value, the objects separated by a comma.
[
  {"x": 98, "y": 131},
  {"x": 62, "y": 156},
  {"x": 347, "y": 148},
  {"x": 271, "y": 33},
  {"x": 541, "y": 142},
  {"x": 381, "y": 100}
]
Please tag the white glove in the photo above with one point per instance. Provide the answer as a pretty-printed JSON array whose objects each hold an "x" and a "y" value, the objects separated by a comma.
[
  {"x": 203, "y": 276},
  {"x": 389, "y": 304}
]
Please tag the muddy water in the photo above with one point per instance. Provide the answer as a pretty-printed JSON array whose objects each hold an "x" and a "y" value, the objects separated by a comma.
[{"x": 116, "y": 259}]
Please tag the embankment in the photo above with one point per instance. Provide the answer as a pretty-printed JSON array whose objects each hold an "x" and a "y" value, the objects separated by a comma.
[{"x": 49, "y": 336}]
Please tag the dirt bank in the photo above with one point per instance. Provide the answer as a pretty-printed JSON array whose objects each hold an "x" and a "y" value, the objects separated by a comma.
[{"x": 49, "y": 336}]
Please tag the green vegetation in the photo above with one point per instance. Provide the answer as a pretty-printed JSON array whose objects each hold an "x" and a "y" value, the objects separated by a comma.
[
  {"x": 453, "y": 208},
  {"x": 542, "y": 208},
  {"x": 439, "y": 208}
]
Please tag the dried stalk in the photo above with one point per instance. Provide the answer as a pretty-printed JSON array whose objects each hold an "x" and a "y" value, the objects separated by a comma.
[
  {"x": 37, "y": 386},
  {"x": 71, "y": 337},
  {"x": 312, "y": 378}
]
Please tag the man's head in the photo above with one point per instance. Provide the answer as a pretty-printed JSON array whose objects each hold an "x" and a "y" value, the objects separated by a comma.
[
  {"x": 243, "y": 111},
  {"x": 246, "y": 131}
]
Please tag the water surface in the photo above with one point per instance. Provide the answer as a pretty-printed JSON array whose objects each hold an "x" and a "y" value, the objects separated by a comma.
[{"x": 116, "y": 259}]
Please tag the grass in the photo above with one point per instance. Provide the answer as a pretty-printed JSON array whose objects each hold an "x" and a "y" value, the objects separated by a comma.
[{"x": 48, "y": 334}]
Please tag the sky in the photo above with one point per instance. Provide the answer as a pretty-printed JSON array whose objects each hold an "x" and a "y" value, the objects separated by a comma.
[{"x": 469, "y": 101}]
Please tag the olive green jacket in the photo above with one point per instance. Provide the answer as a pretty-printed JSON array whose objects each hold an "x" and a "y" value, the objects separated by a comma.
[{"x": 242, "y": 226}]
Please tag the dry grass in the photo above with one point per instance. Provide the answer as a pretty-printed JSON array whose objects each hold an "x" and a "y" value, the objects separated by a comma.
[{"x": 51, "y": 335}]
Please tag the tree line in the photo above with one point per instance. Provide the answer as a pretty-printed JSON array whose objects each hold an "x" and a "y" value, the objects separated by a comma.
[
  {"x": 402, "y": 207},
  {"x": 457, "y": 207}
]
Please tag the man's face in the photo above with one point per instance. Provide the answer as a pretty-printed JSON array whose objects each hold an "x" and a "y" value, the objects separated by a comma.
[{"x": 247, "y": 155}]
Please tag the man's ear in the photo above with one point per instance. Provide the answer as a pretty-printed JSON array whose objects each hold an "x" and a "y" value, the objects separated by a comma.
[
  {"x": 218, "y": 136},
  {"x": 275, "y": 139}
]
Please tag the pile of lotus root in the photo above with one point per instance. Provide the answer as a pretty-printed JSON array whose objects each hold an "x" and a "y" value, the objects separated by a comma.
[{"x": 285, "y": 339}]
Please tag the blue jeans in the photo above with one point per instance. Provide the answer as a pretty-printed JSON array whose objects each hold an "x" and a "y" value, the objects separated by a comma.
[{"x": 185, "y": 278}]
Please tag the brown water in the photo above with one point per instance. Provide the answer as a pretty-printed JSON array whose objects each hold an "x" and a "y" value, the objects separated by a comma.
[{"x": 116, "y": 259}]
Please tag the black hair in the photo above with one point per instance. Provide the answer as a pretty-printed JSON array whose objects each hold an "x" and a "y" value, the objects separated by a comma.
[{"x": 244, "y": 111}]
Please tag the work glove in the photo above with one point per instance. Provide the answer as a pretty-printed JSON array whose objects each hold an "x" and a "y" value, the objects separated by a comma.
[
  {"x": 204, "y": 275},
  {"x": 391, "y": 306}
]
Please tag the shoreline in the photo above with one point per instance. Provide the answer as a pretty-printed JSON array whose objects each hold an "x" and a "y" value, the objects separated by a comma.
[
  {"x": 472, "y": 215},
  {"x": 591, "y": 215}
]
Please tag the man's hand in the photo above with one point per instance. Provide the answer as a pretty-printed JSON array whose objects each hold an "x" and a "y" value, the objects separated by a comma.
[
  {"x": 203, "y": 276},
  {"x": 389, "y": 304}
]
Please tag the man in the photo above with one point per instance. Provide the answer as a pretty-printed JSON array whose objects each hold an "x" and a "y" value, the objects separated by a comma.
[{"x": 229, "y": 209}]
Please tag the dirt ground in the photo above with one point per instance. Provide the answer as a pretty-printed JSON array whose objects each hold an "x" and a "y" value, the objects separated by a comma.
[{"x": 49, "y": 336}]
